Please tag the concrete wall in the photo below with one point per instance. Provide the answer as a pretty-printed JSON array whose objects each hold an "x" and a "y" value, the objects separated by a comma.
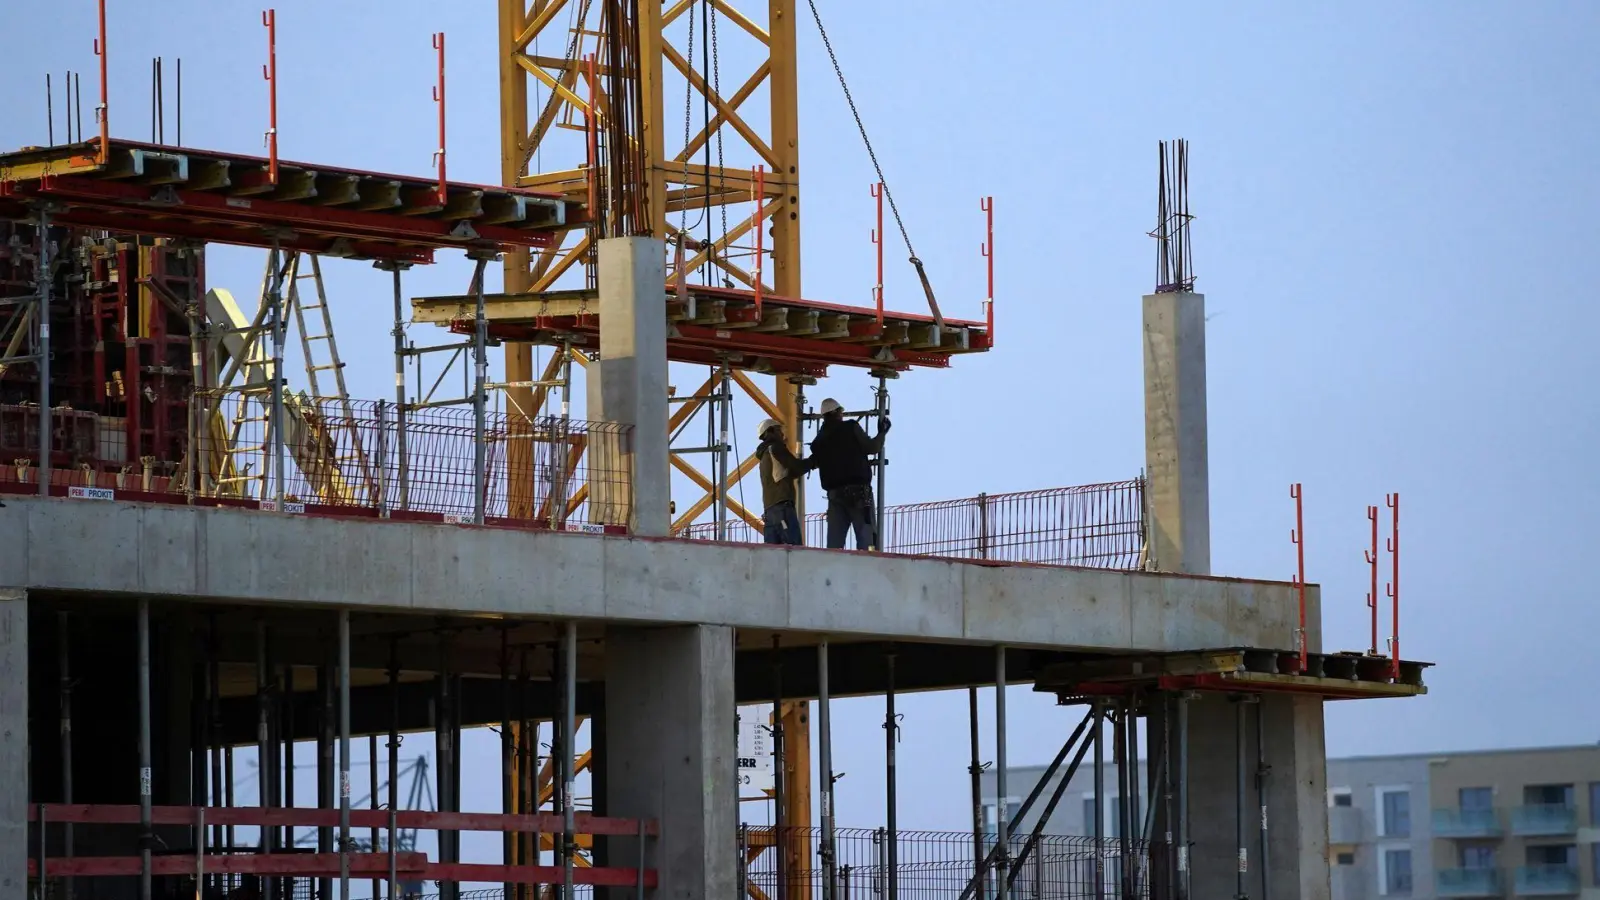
[{"x": 248, "y": 556}]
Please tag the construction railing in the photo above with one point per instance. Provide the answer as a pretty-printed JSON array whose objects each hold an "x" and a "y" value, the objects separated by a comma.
[
  {"x": 1096, "y": 525},
  {"x": 359, "y": 457},
  {"x": 938, "y": 865}
]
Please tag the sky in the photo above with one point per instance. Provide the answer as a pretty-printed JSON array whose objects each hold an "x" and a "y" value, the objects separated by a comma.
[{"x": 1393, "y": 208}]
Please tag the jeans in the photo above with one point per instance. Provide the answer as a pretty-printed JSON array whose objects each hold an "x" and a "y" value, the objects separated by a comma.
[
  {"x": 781, "y": 525},
  {"x": 850, "y": 508}
]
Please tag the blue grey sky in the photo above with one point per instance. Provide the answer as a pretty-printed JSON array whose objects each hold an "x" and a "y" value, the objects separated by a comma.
[{"x": 1395, "y": 205}]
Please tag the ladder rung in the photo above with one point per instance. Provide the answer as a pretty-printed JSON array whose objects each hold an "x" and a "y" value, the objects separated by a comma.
[
  {"x": 327, "y": 367},
  {"x": 318, "y": 337}
]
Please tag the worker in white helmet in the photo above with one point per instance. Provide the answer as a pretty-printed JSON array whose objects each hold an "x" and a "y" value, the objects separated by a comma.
[
  {"x": 780, "y": 478},
  {"x": 840, "y": 453}
]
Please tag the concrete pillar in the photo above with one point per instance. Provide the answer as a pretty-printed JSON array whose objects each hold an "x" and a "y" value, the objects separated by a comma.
[
  {"x": 670, "y": 744},
  {"x": 1296, "y": 788},
  {"x": 1178, "y": 493},
  {"x": 13, "y": 744},
  {"x": 628, "y": 385}
]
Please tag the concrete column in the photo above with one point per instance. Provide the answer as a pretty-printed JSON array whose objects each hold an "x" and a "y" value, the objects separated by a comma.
[
  {"x": 13, "y": 744},
  {"x": 628, "y": 384},
  {"x": 670, "y": 743},
  {"x": 1297, "y": 797},
  {"x": 1178, "y": 494}
]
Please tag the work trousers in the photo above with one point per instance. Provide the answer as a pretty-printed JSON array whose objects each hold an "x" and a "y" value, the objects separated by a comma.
[
  {"x": 780, "y": 524},
  {"x": 850, "y": 509}
]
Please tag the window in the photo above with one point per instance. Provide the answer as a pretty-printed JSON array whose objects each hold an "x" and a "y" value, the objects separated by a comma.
[
  {"x": 1349, "y": 859},
  {"x": 1553, "y": 855},
  {"x": 1396, "y": 875},
  {"x": 1595, "y": 862},
  {"x": 1342, "y": 797},
  {"x": 1594, "y": 803},
  {"x": 1012, "y": 808},
  {"x": 1477, "y": 798},
  {"x": 1088, "y": 817},
  {"x": 1477, "y": 856},
  {"x": 1395, "y": 804},
  {"x": 1548, "y": 795}
]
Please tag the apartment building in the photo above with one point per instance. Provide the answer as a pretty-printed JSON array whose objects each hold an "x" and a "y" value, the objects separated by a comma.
[
  {"x": 1477, "y": 824},
  {"x": 1503, "y": 823}
]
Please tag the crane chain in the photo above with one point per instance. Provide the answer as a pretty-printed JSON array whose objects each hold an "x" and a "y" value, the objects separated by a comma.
[{"x": 828, "y": 45}]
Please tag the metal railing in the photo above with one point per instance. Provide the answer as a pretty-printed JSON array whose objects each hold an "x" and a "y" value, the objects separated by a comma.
[
  {"x": 1540, "y": 819},
  {"x": 1546, "y": 881},
  {"x": 1096, "y": 525},
  {"x": 1479, "y": 882},
  {"x": 362, "y": 455}
]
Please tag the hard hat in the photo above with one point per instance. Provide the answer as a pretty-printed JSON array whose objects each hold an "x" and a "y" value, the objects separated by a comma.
[
  {"x": 830, "y": 405},
  {"x": 766, "y": 426}
]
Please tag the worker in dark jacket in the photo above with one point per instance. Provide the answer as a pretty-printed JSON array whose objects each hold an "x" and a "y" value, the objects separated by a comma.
[
  {"x": 840, "y": 454},
  {"x": 780, "y": 477}
]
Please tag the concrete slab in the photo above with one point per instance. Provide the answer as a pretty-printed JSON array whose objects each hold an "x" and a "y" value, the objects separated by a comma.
[{"x": 246, "y": 556}]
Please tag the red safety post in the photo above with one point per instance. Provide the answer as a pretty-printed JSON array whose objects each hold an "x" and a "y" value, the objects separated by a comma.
[
  {"x": 438, "y": 97},
  {"x": 1372, "y": 592},
  {"x": 270, "y": 73},
  {"x": 987, "y": 248},
  {"x": 759, "y": 189},
  {"x": 1297, "y": 536},
  {"x": 102, "y": 113},
  {"x": 1393, "y": 502},
  {"x": 877, "y": 240}
]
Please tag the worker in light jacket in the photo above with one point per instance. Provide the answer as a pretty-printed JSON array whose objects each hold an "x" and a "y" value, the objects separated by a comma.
[
  {"x": 780, "y": 476},
  {"x": 840, "y": 453}
]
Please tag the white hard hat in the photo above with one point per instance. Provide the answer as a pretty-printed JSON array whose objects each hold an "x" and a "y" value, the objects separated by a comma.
[
  {"x": 766, "y": 426},
  {"x": 830, "y": 405}
]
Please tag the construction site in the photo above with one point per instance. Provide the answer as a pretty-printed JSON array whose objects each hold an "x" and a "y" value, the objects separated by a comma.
[{"x": 222, "y": 573}]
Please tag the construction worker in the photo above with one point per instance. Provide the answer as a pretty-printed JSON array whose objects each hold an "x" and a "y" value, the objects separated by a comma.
[
  {"x": 780, "y": 477},
  {"x": 840, "y": 454}
]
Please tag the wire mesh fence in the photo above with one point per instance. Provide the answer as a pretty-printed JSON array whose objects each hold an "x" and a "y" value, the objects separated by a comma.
[
  {"x": 366, "y": 454},
  {"x": 1097, "y": 525},
  {"x": 938, "y": 865}
]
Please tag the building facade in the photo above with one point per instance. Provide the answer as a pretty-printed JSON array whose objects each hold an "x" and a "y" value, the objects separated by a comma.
[{"x": 1479, "y": 824}]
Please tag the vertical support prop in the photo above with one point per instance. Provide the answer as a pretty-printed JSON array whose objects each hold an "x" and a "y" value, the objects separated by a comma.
[
  {"x": 1262, "y": 770},
  {"x": 1239, "y": 799},
  {"x": 269, "y": 19},
  {"x": 891, "y": 737},
  {"x": 507, "y": 803},
  {"x": 480, "y": 399},
  {"x": 402, "y": 456},
  {"x": 146, "y": 834},
  {"x": 1371, "y": 556},
  {"x": 47, "y": 424},
  {"x": 1002, "y": 834},
  {"x": 64, "y": 647},
  {"x": 394, "y": 763},
  {"x": 438, "y": 98},
  {"x": 1297, "y": 536},
  {"x": 1393, "y": 502},
  {"x": 879, "y": 526},
  {"x": 987, "y": 249},
  {"x": 1183, "y": 797},
  {"x": 569, "y": 728},
  {"x": 102, "y": 112},
  {"x": 975, "y": 772},
  {"x": 825, "y": 767},
  {"x": 344, "y": 754},
  {"x": 1099, "y": 799},
  {"x": 779, "y": 761}
]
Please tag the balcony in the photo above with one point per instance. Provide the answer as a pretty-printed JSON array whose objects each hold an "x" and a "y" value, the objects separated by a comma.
[
  {"x": 1544, "y": 819},
  {"x": 1468, "y": 883},
  {"x": 1547, "y": 881},
  {"x": 1345, "y": 825},
  {"x": 1466, "y": 823}
]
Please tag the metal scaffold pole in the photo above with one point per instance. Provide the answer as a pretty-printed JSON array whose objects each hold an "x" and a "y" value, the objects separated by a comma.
[
  {"x": 1239, "y": 798},
  {"x": 64, "y": 645},
  {"x": 146, "y": 834},
  {"x": 278, "y": 323},
  {"x": 1262, "y": 770},
  {"x": 1099, "y": 799},
  {"x": 46, "y": 419},
  {"x": 880, "y": 537},
  {"x": 344, "y": 754},
  {"x": 480, "y": 395},
  {"x": 975, "y": 771},
  {"x": 402, "y": 458},
  {"x": 1002, "y": 827},
  {"x": 891, "y": 729},
  {"x": 825, "y": 767},
  {"x": 569, "y": 728},
  {"x": 724, "y": 413},
  {"x": 1183, "y": 797},
  {"x": 779, "y": 760},
  {"x": 394, "y": 762}
]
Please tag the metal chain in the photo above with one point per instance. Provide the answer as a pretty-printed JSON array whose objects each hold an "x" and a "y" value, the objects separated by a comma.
[
  {"x": 580, "y": 16},
  {"x": 828, "y": 45},
  {"x": 716, "y": 88},
  {"x": 688, "y": 107}
]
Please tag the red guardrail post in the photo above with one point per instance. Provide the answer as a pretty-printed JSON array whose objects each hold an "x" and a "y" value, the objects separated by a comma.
[
  {"x": 269, "y": 71},
  {"x": 1371, "y": 557},
  {"x": 1393, "y": 502},
  {"x": 438, "y": 97},
  {"x": 1297, "y": 535},
  {"x": 987, "y": 249}
]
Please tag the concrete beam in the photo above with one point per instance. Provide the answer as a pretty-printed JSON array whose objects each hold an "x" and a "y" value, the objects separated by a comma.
[{"x": 241, "y": 556}]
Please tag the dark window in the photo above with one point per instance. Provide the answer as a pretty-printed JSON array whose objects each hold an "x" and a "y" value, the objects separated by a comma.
[
  {"x": 1396, "y": 813},
  {"x": 1595, "y": 848},
  {"x": 1552, "y": 855},
  {"x": 1477, "y": 856},
  {"x": 1344, "y": 799},
  {"x": 1477, "y": 798},
  {"x": 1594, "y": 803},
  {"x": 1397, "y": 871},
  {"x": 1088, "y": 817},
  {"x": 1548, "y": 795},
  {"x": 1349, "y": 859}
]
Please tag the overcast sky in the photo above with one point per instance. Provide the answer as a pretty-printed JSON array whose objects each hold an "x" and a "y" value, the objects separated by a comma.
[{"x": 1395, "y": 208}]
